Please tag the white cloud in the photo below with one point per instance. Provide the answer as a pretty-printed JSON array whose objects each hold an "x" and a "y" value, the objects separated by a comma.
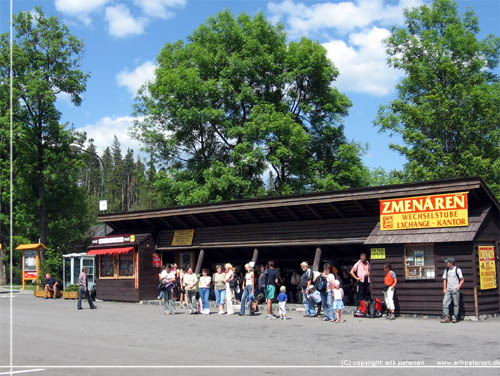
[
  {"x": 80, "y": 9},
  {"x": 106, "y": 128},
  {"x": 159, "y": 8},
  {"x": 122, "y": 23},
  {"x": 345, "y": 16},
  {"x": 135, "y": 79},
  {"x": 362, "y": 63}
]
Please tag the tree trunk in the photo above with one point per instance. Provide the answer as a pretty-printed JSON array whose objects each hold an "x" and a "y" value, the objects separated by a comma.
[{"x": 42, "y": 210}]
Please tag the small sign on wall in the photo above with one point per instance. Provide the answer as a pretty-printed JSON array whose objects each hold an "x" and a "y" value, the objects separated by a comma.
[
  {"x": 487, "y": 267},
  {"x": 183, "y": 237},
  {"x": 156, "y": 260},
  {"x": 377, "y": 253}
]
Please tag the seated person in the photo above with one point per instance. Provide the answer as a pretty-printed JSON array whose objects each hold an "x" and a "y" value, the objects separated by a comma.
[
  {"x": 315, "y": 299},
  {"x": 51, "y": 286}
]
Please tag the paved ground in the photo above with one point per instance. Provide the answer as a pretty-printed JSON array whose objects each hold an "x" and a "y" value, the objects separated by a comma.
[{"x": 50, "y": 333}]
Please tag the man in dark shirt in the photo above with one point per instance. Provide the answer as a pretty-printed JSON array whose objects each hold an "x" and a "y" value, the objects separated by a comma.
[
  {"x": 51, "y": 286},
  {"x": 271, "y": 282}
]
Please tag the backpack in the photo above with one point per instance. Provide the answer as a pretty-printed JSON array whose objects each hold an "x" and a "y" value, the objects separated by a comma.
[
  {"x": 263, "y": 278},
  {"x": 320, "y": 283},
  {"x": 361, "y": 311}
]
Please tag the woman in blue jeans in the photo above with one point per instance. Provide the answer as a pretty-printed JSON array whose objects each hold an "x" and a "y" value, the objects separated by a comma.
[
  {"x": 219, "y": 281},
  {"x": 248, "y": 289},
  {"x": 204, "y": 285}
]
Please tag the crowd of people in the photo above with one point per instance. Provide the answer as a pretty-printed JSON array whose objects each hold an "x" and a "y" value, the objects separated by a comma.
[{"x": 325, "y": 291}]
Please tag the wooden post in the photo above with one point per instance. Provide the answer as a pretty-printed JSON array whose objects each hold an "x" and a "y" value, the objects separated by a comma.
[
  {"x": 475, "y": 281},
  {"x": 255, "y": 255},
  {"x": 199, "y": 262},
  {"x": 317, "y": 259}
]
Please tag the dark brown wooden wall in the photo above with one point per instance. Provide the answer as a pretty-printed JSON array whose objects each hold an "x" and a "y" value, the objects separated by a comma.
[
  {"x": 426, "y": 296},
  {"x": 117, "y": 289},
  {"x": 148, "y": 275},
  {"x": 289, "y": 231}
]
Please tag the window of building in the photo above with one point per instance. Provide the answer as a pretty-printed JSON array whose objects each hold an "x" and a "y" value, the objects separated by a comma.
[
  {"x": 126, "y": 262},
  {"x": 420, "y": 261},
  {"x": 117, "y": 265},
  {"x": 107, "y": 266}
]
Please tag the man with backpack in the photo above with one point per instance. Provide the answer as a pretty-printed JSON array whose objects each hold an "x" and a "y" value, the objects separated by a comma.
[
  {"x": 323, "y": 284},
  {"x": 305, "y": 282},
  {"x": 453, "y": 281}
]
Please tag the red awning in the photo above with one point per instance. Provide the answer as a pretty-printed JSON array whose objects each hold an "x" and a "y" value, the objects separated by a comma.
[{"x": 109, "y": 251}]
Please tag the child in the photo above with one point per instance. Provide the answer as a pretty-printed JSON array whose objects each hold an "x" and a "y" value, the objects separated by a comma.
[
  {"x": 282, "y": 299},
  {"x": 314, "y": 299},
  {"x": 338, "y": 303}
]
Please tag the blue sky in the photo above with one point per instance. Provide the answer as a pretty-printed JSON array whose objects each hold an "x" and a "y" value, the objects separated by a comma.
[{"x": 123, "y": 37}]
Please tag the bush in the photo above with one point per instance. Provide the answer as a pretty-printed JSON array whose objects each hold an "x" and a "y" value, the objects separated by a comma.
[{"x": 71, "y": 288}]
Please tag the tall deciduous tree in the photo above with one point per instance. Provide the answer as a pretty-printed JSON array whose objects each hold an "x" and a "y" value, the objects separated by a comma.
[
  {"x": 50, "y": 206},
  {"x": 447, "y": 109},
  {"x": 236, "y": 99}
]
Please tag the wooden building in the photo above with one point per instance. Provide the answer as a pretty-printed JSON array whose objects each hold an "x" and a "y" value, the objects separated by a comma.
[{"x": 330, "y": 226}]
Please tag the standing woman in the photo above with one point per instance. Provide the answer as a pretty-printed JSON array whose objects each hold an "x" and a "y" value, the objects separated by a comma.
[
  {"x": 183, "y": 301},
  {"x": 205, "y": 280},
  {"x": 248, "y": 290},
  {"x": 219, "y": 280},
  {"x": 390, "y": 282},
  {"x": 190, "y": 281},
  {"x": 229, "y": 295}
]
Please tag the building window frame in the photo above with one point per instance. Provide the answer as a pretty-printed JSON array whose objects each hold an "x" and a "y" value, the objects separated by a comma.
[
  {"x": 116, "y": 267},
  {"x": 419, "y": 262}
]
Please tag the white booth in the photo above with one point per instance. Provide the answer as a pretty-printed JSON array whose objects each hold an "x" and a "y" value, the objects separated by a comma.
[{"x": 73, "y": 264}]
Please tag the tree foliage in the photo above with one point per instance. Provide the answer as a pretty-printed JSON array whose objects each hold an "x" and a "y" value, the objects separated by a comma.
[
  {"x": 49, "y": 204},
  {"x": 236, "y": 100},
  {"x": 447, "y": 109}
]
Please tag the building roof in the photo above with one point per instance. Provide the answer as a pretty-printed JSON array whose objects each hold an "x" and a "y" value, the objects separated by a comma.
[
  {"x": 30, "y": 246},
  {"x": 345, "y": 204}
]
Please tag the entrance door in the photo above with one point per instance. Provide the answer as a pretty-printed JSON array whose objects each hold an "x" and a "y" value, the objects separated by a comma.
[
  {"x": 88, "y": 262},
  {"x": 186, "y": 258}
]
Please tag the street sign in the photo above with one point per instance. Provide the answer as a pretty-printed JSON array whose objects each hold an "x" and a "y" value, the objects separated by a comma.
[{"x": 103, "y": 205}]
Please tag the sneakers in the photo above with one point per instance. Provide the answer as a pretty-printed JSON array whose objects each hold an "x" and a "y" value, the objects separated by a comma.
[
  {"x": 446, "y": 320},
  {"x": 270, "y": 317},
  {"x": 454, "y": 320},
  {"x": 391, "y": 317}
]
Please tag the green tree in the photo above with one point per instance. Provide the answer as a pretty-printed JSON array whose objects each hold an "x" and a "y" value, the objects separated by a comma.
[
  {"x": 50, "y": 206},
  {"x": 236, "y": 99},
  {"x": 447, "y": 106}
]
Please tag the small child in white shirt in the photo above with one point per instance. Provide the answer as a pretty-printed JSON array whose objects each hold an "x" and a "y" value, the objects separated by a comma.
[{"x": 338, "y": 303}]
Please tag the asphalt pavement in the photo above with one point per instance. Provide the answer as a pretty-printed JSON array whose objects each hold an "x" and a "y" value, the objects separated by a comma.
[{"x": 52, "y": 338}]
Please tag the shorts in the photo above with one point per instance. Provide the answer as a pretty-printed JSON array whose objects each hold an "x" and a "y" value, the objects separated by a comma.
[
  {"x": 338, "y": 304},
  {"x": 270, "y": 291}
]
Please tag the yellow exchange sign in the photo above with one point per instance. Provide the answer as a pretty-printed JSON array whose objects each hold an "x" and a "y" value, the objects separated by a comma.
[{"x": 446, "y": 210}]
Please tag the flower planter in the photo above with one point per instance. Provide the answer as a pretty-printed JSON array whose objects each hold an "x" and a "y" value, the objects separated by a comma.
[
  {"x": 70, "y": 294},
  {"x": 39, "y": 293}
]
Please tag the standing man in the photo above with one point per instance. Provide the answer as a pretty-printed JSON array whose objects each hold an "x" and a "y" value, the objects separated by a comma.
[
  {"x": 50, "y": 286},
  {"x": 305, "y": 282},
  {"x": 361, "y": 272},
  {"x": 84, "y": 288},
  {"x": 453, "y": 280},
  {"x": 326, "y": 295},
  {"x": 272, "y": 281}
]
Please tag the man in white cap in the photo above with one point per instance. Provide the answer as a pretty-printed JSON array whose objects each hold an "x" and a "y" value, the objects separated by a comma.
[{"x": 453, "y": 281}]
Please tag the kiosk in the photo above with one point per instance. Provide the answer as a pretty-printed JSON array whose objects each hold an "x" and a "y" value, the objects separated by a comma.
[
  {"x": 73, "y": 263},
  {"x": 30, "y": 261}
]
